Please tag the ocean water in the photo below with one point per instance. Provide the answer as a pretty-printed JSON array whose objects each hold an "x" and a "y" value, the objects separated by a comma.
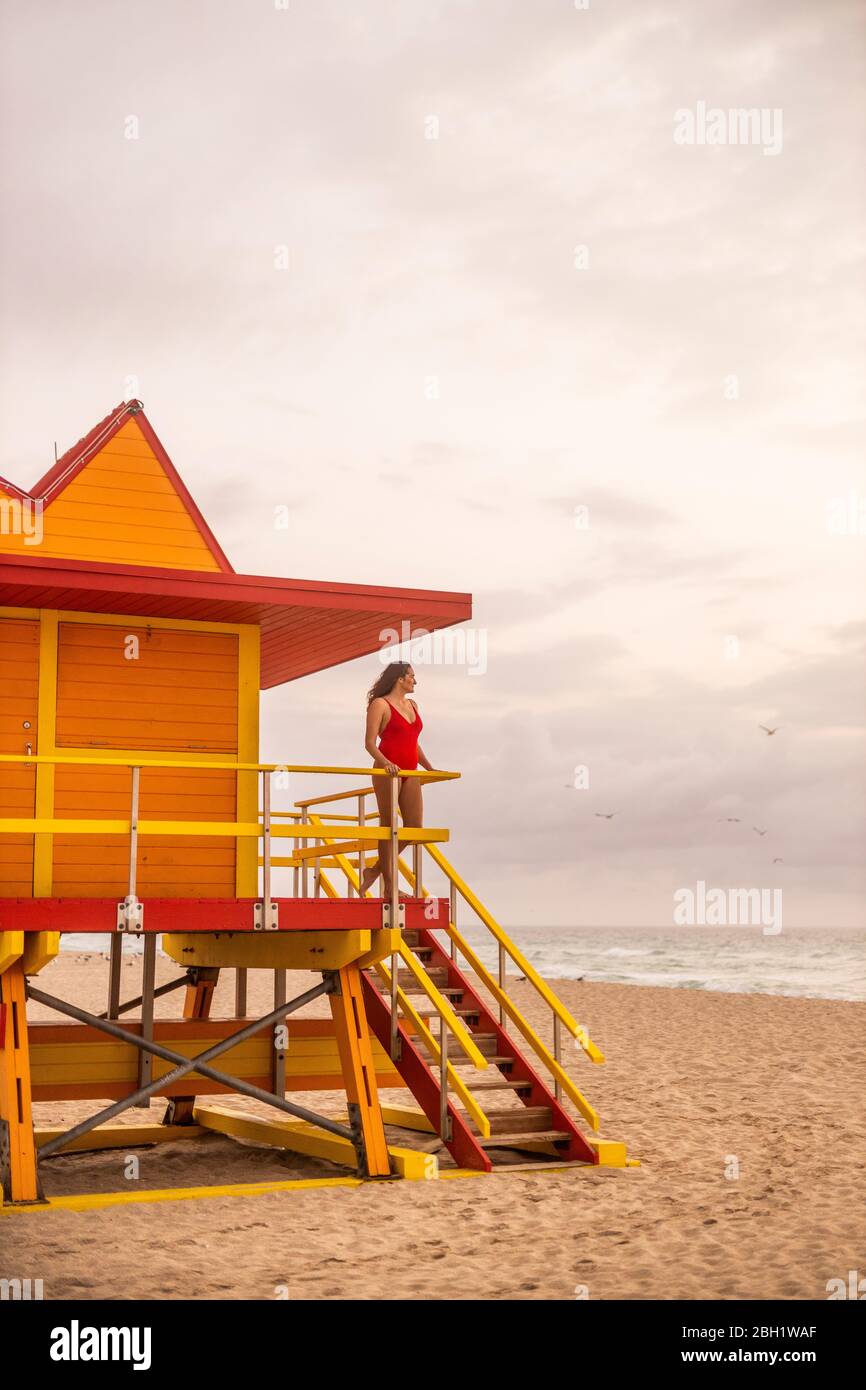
[{"x": 812, "y": 962}]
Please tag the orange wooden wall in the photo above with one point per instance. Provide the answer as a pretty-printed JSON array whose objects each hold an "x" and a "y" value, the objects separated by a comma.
[
  {"x": 146, "y": 687},
  {"x": 127, "y": 689},
  {"x": 178, "y": 694}
]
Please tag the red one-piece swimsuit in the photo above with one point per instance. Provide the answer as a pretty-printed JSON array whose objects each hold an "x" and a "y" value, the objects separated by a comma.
[{"x": 399, "y": 742}]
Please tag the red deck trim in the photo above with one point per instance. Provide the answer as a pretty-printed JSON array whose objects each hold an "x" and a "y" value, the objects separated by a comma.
[{"x": 99, "y": 915}]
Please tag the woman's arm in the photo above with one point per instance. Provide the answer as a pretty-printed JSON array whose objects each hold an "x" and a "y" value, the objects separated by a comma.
[{"x": 374, "y": 726}]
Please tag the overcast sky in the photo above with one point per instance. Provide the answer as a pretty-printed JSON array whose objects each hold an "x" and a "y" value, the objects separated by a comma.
[{"x": 435, "y": 275}]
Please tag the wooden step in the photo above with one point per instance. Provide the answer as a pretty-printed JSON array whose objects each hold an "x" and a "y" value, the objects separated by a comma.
[
  {"x": 525, "y": 1141},
  {"x": 530, "y": 1119},
  {"x": 501, "y": 1085},
  {"x": 438, "y": 975},
  {"x": 461, "y": 1013},
  {"x": 462, "y": 1061},
  {"x": 485, "y": 1042}
]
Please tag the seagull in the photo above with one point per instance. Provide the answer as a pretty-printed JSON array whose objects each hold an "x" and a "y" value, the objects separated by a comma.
[
  {"x": 770, "y": 732},
  {"x": 606, "y": 815},
  {"x": 757, "y": 831},
  {"x": 734, "y": 820}
]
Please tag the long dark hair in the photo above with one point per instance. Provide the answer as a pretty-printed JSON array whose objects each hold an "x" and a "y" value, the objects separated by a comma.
[{"x": 388, "y": 679}]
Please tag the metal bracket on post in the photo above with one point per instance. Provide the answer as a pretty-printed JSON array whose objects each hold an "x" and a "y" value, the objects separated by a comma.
[
  {"x": 401, "y": 916},
  {"x": 266, "y": 914},
  {"x": 130, "y": 913}
]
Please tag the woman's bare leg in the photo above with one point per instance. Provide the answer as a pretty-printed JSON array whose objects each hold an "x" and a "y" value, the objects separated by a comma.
[
  {"x": 412, "y": 806},
  {"x": 380, "y": 865}
]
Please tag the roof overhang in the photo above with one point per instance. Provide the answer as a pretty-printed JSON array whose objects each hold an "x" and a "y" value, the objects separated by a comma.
[{"x": 306, "y": 625}]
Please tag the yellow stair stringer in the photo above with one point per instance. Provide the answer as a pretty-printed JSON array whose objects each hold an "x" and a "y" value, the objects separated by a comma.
[{"x": 589, "y": 1113}]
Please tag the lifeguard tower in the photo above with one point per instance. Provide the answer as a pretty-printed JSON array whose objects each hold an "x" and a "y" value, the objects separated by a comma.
[{"x": 133, "y": 804}]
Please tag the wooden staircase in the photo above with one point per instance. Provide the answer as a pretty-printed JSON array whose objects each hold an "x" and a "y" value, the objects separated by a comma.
[{"x": 535, "y": 1121}]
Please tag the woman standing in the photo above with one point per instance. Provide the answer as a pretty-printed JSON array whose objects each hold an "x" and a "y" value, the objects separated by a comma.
[{"x": 395, "y": 721}]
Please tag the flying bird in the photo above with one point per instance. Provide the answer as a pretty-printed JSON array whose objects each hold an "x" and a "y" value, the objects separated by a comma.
[
  {"x": 770, "y": 732},
  {"x": 757, "y": 831},
  {"x": 778, "y": 861},
  {"x": 733, "y": 820},
  {"x": 606, "y": 815}
]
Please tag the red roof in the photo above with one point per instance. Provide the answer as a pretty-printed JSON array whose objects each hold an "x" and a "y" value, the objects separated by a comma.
[{"x": 306, "y": 625}]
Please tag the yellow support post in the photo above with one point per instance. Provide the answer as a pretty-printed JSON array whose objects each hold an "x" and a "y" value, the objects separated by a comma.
[
  {"x": 359, "y": 1071},
  {"x": 40, "y": 947},
  {"x": 11, "y": 948},
  {"x": 18, "y": 1175}
]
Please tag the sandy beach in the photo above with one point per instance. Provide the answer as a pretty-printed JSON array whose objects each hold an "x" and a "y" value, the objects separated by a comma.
[{"x": 698, "y": 1084}]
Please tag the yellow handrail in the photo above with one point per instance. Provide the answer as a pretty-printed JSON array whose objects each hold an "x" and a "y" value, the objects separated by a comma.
[
  {"x": 423, "y": 773},
  {"x": 139, "y": 760},
  {"x": 443, "y": 1008},
  {"x": 513, "y": 951},
  {"x": 577, "y": 1031},
  {"x": 454, "y": 1079},
  {"x": 439, "y": 1002},
  {"x": 50, "y": 825},
  {"x": 543, "y": 1053}
]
